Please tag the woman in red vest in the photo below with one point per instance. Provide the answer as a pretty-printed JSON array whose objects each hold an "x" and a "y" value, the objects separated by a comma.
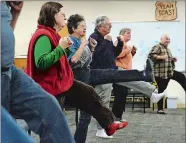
[{"x": 53, "y": 72}]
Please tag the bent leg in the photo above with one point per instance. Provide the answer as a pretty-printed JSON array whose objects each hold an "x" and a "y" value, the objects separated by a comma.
[
  {"x": 84, "y": 97},
  {"x": 11, "y": 132},
  {"x": 180, "y": 78},
  {"x": 39, "y": 109}
]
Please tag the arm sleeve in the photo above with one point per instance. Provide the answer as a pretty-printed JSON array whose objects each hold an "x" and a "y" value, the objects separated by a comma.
[
  {"x": 118, "y": 48},
  {"x": 44, "y": 56},
  {"x": 103, "y": 47},
  {"x": 73, "y": 50},
  {"x": 155, "y": 51}
]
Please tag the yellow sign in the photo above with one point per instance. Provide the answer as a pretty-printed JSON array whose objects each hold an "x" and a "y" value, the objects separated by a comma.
[
  {"x": 166, "y": 11},
  {"x": 64, "y": 32}
]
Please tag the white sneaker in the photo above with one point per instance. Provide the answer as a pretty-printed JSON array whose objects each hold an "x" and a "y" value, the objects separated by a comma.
[
  {"x": 123, "y": 120},
  {"x": 102, "y": 134},
  {"x": 157, "y": 96},
  {"x": 120, "y": 120}
]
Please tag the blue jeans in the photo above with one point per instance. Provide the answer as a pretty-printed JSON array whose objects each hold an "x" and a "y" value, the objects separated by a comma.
[
  {"x": 80, "y": 135},
  {"x": 9, "y": 128},
  {"x": 105, "y": 76},
  {"x": 22, "y": 97}
]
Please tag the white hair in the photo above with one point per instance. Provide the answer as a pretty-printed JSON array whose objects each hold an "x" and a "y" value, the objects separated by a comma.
[
  {"x": 100, "y": 20},
  {"x": 164, "y": 35}
]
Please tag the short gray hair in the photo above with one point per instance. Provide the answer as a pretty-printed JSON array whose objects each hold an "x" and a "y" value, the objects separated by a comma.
[
  {"x": 123, "y": 30},
  {"x": 100, "y": 20}
]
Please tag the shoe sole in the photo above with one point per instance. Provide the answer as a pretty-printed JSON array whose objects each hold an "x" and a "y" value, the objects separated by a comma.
[
  {"x": 109, "y": 137},
  {"x": 163, "y": 113}
]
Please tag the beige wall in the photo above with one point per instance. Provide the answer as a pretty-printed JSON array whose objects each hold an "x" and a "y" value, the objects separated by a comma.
[{"x": 117, "y": 10}]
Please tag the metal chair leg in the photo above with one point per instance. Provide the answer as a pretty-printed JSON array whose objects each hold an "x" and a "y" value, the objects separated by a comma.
[
  {"x": 133, "y": 103},
  {"x": 144, "y": 104},
  {"x": 153, "y": 106}
]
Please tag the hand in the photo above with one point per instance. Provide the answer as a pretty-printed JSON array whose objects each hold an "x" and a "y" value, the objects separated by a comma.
[
  {"x": 133, "y": 52},
  {"x": 120, "y": 37},
  {"x": 130, "y": 48},
  {"x": 93, "y": 43},
  {"x": 174, "y": 59},
  {"x": 74, "y": 60},
  {"x": 115, "y": 43},
  {"x": 16, "y": 6},
  {"x": 126, "y": 46},
  {"x": 108, "y": 37},
  {"x": 65, "y": 42},
  {"x": 84, "y": 42}
]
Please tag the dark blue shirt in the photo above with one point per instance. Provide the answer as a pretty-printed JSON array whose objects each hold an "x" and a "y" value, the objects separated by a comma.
[{"x": 105, "y": 52}]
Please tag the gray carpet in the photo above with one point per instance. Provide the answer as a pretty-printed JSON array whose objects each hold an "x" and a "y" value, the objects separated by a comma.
[{"x": 146, "y": 127}]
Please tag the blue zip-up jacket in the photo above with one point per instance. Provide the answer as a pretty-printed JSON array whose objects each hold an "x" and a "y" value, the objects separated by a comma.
[{"x": 105, "y": 52}]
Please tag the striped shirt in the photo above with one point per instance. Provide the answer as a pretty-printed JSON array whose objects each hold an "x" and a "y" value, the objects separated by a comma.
[{"x": 162, "y": 68}]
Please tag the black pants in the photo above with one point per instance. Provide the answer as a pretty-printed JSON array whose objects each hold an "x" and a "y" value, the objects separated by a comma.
[
  {"x": 84, "y": 97},
  {"x": 120, "y": 94},
  {"x": 162, "y": 84}
]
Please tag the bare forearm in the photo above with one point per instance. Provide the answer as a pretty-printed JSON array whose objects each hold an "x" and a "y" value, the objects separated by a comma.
[
  {"x": 78, "y": 53},
  {"x": 157, "y": 57},
  {"x": 16, "y": 7},
  {"x": 15, "y": 16}
]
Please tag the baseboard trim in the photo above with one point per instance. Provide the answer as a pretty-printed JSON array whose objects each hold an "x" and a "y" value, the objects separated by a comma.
[
  {"x": 181, "y": 106},
  {"x": 178, "y": 106}
]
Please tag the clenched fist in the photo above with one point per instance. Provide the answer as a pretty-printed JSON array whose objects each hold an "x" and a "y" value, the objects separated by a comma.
[
  {"x": 65, "y": 42},
  {"x": 84, "y": 42},
  {"x": 93, "y": 44},
  {"x": 108, "y": 37}
]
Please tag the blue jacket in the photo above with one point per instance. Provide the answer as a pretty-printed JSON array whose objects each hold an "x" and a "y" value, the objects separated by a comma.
[{"x": 105, "y": 52}]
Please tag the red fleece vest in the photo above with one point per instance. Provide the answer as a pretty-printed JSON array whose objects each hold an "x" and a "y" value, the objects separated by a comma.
[{"x": 59, "y": 77}]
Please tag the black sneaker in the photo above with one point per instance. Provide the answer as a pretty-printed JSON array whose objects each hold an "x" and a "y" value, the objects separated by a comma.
[{"x": 148, "y": 72}]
